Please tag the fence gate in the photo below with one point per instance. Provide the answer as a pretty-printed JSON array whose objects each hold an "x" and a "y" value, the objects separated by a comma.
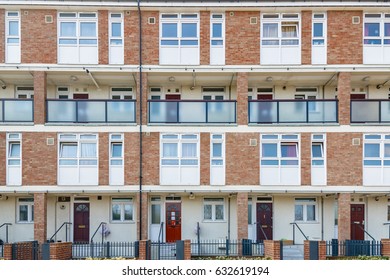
[
  {"x": 313, "y": 250},
  {"x": 25, "y": 251}
]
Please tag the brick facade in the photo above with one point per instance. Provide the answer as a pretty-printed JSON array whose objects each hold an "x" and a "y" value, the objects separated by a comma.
[
  {"x": 40, "y": 217},
  {"x": 143, "y": 216},
  {"x": 151, "y": 159},
  {"x": 2, "y": 35},
  {"x": 242, "y": 98},
  {"x": 306, "y": 159},
  {"x": 131, "y": 39},
  {"x": 204, "y": 37},
  {"x": 306, "y": 36},
  {"x": 272, "y": 249},
  {"x": 321, "y": 250},
  {"x": 103, "y": 37},
  {"x": 344, "y": 218},
  {"x": 131, "y": 158},
  {"x": 205, "y": 158},
  {"x": 61, "y": 251},
  {"x": 104, "y": 158},
  {"x": 242, "y": 215},
  {"x": 38, "y": 38},
  {"x": 40, "y": 94},
  {"x": 3, "y": 151},
  {"x": 344, "y": 97}
]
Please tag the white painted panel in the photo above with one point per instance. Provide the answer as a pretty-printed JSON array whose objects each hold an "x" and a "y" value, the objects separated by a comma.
[
  {"x": 189, "y": 56},
  {"x": 116, "y": 55},
  {"x": 386, "y": 176},
  {"x": 68, "y": 54},
  {"x": 169, "y": 55},
  {"x": 88, "y": 55},
  {"x": 318, "y": 55},
  {"x": 217, "y": 56},
  {"x": 270, "y": 55},
  {"x": 62, "y": 214},
  {"x": 154, "y": 232},
  {"x": 290, "y": 176},
  {"x": 217, "y": 175},
  {"x": 88, "y": 175},
  {"x": 252, "y": 232},
  {"x": 170, "y": 175},
  {"x": 386, "y": 54},
  {"x": 269, "y": 176},
  {"x": 290, "y": 55},
  {"x": 372, "y": 55},
  {"x": 189, "y": 176},
  {"x": 67, "y": 175},
  {"x": 372, "y": 176},
  {"x": 117, "y": 175},
  {"x": 13, "y": 54},
  {"x": 14, "y": 176},
  {"x": 318, "y": 176}
]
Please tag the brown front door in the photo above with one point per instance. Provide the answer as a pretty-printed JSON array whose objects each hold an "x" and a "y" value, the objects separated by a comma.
[
  {"x": 264, "y": 221},
  {"x": 80, "y": 96},
  {"x": 264, "y": 97},
  {"x": 81, "y": 222},
  {"x": 357, "y": 221},
  {"x": 172, "y": 97},
  {"x": 173, "y": 221},
  {"x": 357, "y": 96}
]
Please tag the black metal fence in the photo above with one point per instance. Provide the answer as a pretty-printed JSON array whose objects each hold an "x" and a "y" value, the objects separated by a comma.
[
  {"x": 163, "y": 251},
  {"x": 351, "y": 248},
  {"x": 226, "y": 247},
  {"x": 1, "y": 250},
  {"x": 104, "y": 250}
]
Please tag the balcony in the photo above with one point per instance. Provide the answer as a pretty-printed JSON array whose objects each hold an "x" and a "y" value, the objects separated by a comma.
[
  {"x": 17, "y": 110},
  {"x": 90, "y": 111},
  {"x": 192, "y": 111},
  {"x": 293, "y": 111},
  {"x": 370, "y": 111}
]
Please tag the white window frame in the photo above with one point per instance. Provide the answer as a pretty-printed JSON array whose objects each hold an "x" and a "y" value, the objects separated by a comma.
[
  {"x": 114, "y": 19},
  {"x": 63, "y": 94},
  {"x": 320, "y": 140},
  {"x": 116, "y": 139},
  {"x": 29, "y": 202},
  {"x": 122, "y": 93},
  {"x": 217, "y": 18},
  {"x": 381, "y": 19},
  {"x": 22, "y": 91},
  {"x": 214, "y": 202},
  {"x": 179, "y": 139},
  {"x": 280, "y": 140},
  {"x": 122, "y": 202},
  {"x": 77, "y": 140},
  {"x": 281, "y": 20},
  {"x": 12, "y": 139},
  {"x": 305, "y": 202},
  {"x": 321, "y": 40},
  {"x": 383, "y": 140},
  {"x": 116, "y": 43},
  {"x": 214, "y": 95},
  {"x": 217, "y": 138},
  {"x": 9, "y": 17}
]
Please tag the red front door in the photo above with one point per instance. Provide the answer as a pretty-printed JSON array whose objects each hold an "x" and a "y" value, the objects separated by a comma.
[
  {"x": 172, "y": 96},
  {"x": 264, "y": 221},
  {"x": 265, "y": 97},
  {"x": 173, "y": 221},
  {"x": 357, "y": 221},
  {"x": 80, "y": 96},
  {"x": 357, "y": 96},
  {"x": 81, "y": 222}
]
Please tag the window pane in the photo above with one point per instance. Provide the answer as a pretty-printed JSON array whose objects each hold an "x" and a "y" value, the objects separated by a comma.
[
  {"x": 14, "y": 150},
  {"x": 311, "y": 212},
  {"x": 318, "y": 30},
  {"x": 270, "y": 30},
  {"x": 207, "y": 212},
  {"x": 289, "y": 31},
  {"x": 371, "y": 29},
  {"x": 371, "y": 150},
  {"x": 169, "y": 30},
  {"x": 318, "y": 42},
  {"x": 170, "y": 150},
  {"x": 68, "y": 41},
  {"x": 217, "y": 162},
  {"x": 189, "y": 150},
  {"x": 116, "y": 150},
  {"x": 88, "y": 150},
  {"x": 68, "y": 29},
  {"x": 68, "y": 151},
  {"x": 23, "y": 213},
  {"x": 189, "y": 30},
  {"x": 189, "y": 42},
  {"x": 289, "y": 150},
  {"x": 316, "y": 150},
  {"x": 116, "y": 29},
  {"x": 88, "y": 29},
  {"x": 156, "y": 213},
  {"x": 217, "y": 30},
  {"x": 117, "y": 42},
  {"x": 217, "y": 149},
  {"x": 372, "y": 162},
  {"x": 387, "y": 29},
  {"x": 219, "y": 212},
  {"x": 116, "y": 212},
  {"x": 169, "y": 42},
  {"x": 13, "y": 28},
  {"x": 249, "y": 214},
  {"x": 298, "y": 212},
  {"x": 269, "y": 150},
  {"x": 128, "y": 212},
  {"x": 387, "y": 150}
]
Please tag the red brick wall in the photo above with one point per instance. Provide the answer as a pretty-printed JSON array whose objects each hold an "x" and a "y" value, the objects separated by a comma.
[
  {"x": 204, "y": 38},
  {"x": 386, "y": 247},
  {"x": 344, "y": 217},
  {"x": 104, "y": 159},
  {"x": 144, "y": 217},
  {"x": 344, "y": 160},
  {"x": 241, "y": 35},
  {"x": 242, "y": 98},
  {"x": 3, "y": 149},
  {"x": 242, "y": 160},
  {"x": 144, "y": 98},
  {"x": 40, "y": 217},
  {"x": 205, "y": 158},
  {"x": 344, "y": 97},
  {"x": 40, "y": 93},
  {"x": 305, "y": 159},
  {"x": 131, "y": 158},
  {"x": 103, "y": 37},
  {"x": 131, "y": 37},
  {"x": 38, "y": 39},
  {"x": 272, "y": 249},
  {"x": 306, "y": 36},
  {"x": 39, "y": 162},
  {"x": 242, "y": 215},
  {"x": 61, "y": 251},
  {"x": 2, "y": 36},
  {"x": 344, "y": 38}
]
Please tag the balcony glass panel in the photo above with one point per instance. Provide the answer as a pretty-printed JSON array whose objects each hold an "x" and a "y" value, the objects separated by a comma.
[
  {"x": 192, "y": 112},
  {"x": 91, "y": 111},
  {"x": 61, "y": 111},
  {"x": 263, "y": 112},
  {"x": 365, "y": 111},
  {"x": 385, "y": 111},
  {"x": 221, "y": 112},
  {"x": 17, "y": 111},
  {"x": 322, "y": 111},
  {"x": 294, "y": 111},
  {"x": 121, "y": 111}
]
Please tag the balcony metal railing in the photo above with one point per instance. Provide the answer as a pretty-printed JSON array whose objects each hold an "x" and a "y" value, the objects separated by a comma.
[
  {"x": 192, "y": 111},
  {"x": 370, "y": 111},
  {"x": 293, "y": 111},
  {"x": 16, "y": 110},
  {"x": 90, "y": 111}
]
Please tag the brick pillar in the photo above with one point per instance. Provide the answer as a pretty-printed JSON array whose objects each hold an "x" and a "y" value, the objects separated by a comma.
[
  {"x": 187, "y": 250},
  {"x": 2, "y": 35},
  {"x": 306, "y": 36},
  {"x": 385, "y": 247},
  {"x": 103, "y": 159},
  {"x": 242, "y": 215},
  {"x": 305, "y": 159},
  {"x": 242, "y": 98},
  {"x": 306, "y": 250},
  {"x": 40, "y": 94},
  {"x": 204, "y": 37},
  {"x": 7, "y": 251},
  {"x": 40, "y": 217},
  {"x": 143, "y": 249},
  {"x": 103, "y": 37},
  {"x": 205, "y": 159},
  {"x": 3, "y": 152},
  {"x": 322, "y": 250},
  {"x": 272, "y": 249},
  {"x": 144, "y": 230},
  {"x": 144, "y": 98},
  {"x": 344, "y": 227},
  {"x": 344, "y": 96},
  {"x": 61, "y": 251}
]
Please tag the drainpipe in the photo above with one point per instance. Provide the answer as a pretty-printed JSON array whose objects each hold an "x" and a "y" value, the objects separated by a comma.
[
  {"x": 140, "y": 117},
  {"x": 322, "y": 218}
]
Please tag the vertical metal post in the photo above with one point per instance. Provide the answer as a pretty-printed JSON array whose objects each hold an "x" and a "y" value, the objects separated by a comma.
[
  {"x": 307, "y": 110},
  {"x": 281, "y": 249},
  {"x": 227, "y": 247},
  {"x": 293, "y": 234},
  {"x": 207, "y": 111}
]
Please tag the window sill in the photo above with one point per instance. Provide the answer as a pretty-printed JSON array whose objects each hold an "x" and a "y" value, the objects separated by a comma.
[{"x": 213, "y": 221}]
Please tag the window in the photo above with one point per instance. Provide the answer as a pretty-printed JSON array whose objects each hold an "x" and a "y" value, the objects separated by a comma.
[
  {"x": 305, "y": 209},
  {"x": 279, "y": 33},
  {"x": 24, "y": 92},
  {"x": 179, "y": 39},
  {"x": 78, "y": 159},
  {"x": 250, "y": 216},
  {"x": 116, "y": 159},
  {"x": 25, "y": 210},
  {"x": 317, "y": 150},
  {"x": 319, "y": 29},
  {"x": 77, "y": 37},
  {"x": 156, "y": 210},
  {"x": 14, "y": 159},
  {"x": 217, "y": 158},
  {"x": 121, "y": 209},
  {"x": 12, "y": 39},
  {"x": 116, "y": 38},
  {"x": 122, "y": 93},
  {"x": 180, "y": 159},
  {"x": 213, "y": 209},
  {"x": 376, "y": 38},
  {"x": 63, "y": 92},
  {"x": 217, "y": 39}
]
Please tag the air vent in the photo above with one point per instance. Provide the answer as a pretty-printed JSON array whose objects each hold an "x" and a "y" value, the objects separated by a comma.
[
  {"x": 253, "y": 20},
  {"x": 356, "y": 20},
  {"x": 50, "y": 141},
  {"x": 252, "y": 142},
  {"x": 25, "y": 13},
  {"x": 128, "y": 13},
  {"x": 48, "y": 19},
  {"x": 151, "y": 20},
  {"x": 356, "y": 142},
  {"x": 231, "y": 14}
]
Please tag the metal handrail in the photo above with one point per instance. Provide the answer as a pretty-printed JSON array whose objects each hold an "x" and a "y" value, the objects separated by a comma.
[
  {"x": 160, "y": 232},
  {"x": 262, "y": 230},
  {"x": 304, "y": 235},
  {"x": 387, "y": 224},
  {"x": 66, "y": 232},
  {"x": 6, "y": 230},
  {"x": 366, "y": 232},
  {"x": 102, "y": 223}
]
